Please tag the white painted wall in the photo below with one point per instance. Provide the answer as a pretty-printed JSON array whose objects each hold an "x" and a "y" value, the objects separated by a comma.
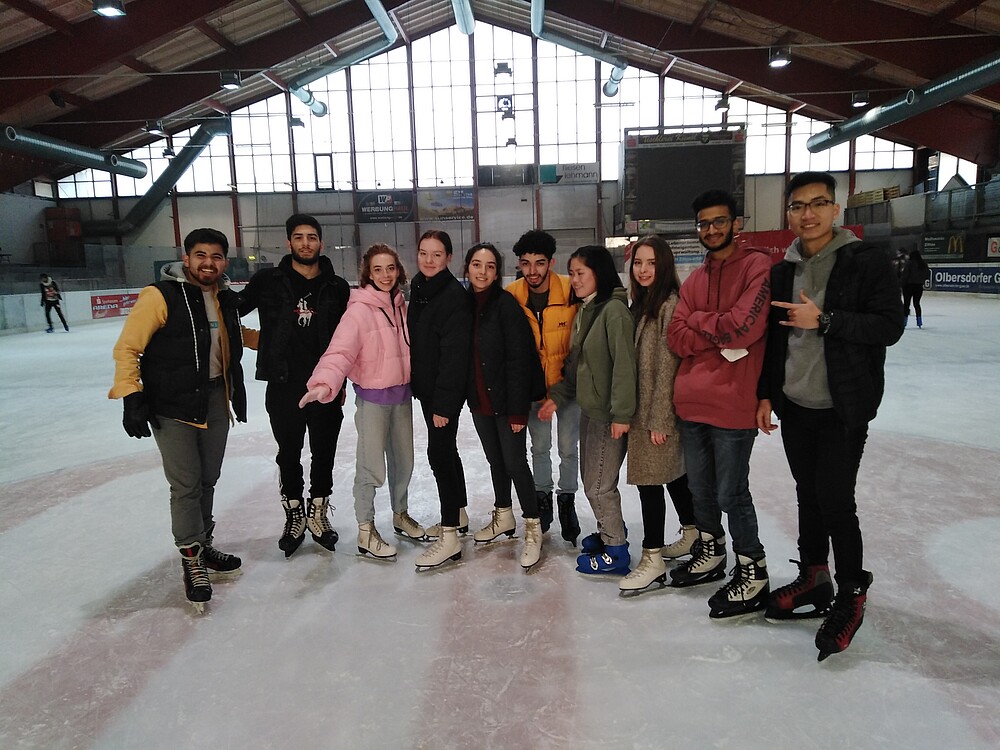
[{"x": 22, "y": 223}]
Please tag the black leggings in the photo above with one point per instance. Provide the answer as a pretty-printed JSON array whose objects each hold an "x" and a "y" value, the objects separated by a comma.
[
  {"x": 654, "y": 512},
  {"x": 442, "y": 455},
  {"x": 914, "y": 292}
]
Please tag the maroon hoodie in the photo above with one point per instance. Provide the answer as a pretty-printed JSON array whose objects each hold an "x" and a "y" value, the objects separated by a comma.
[{"x": 723, "y": 305}]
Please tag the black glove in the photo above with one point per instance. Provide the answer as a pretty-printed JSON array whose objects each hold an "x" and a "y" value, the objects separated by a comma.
[{"x": 137, "y": 415}]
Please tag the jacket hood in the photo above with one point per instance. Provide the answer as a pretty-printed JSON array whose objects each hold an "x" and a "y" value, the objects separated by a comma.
[
  {"x": 739, "y": 253},
  {"x": 175, "y": 272},
  {"x": 372, "y": 296},
  {"x": 841, "y": 237}
]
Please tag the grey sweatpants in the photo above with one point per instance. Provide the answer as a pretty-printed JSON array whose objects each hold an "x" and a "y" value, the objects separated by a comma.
[
  {"x": 385, "y": 440},
  {"x": 192, "y": 462}
]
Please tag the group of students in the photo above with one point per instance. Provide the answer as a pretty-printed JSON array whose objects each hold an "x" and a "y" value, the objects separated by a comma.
[{"x": 679, "y": 378}]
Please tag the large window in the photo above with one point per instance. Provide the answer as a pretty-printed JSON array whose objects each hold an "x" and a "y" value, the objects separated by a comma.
[
  {"x": 260, "y": 145},
  {"x": 505, "y": 122},
  {"x": 836, "y": 159},
  {"x": 381, "y": 106},
  {"x": 637, "y": 104},
  {"x": 567, "y": 119},
  {"x": 442, "y": 109},
  {"x": 323, "y": 144}
]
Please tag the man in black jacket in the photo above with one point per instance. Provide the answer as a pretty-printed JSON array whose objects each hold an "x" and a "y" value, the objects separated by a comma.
[
  {"x": 835, "y": 309},
  {"x": 300, "y": 304},
  {"x": 177, "y": 367}
]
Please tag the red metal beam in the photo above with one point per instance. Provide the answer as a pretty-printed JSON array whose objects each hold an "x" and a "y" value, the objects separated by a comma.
[
  {"x": 98, "y": 41},
  {"x": 39, "y": 13},
  {"x": 298, "y": 10},
  {"x": 137, "y": 65},
  {"x": 215, "y": 35},
  {"x": 956, "y": 128},
  {"x": 959, "y": 8},
  {"x": 157, "y": 98}
]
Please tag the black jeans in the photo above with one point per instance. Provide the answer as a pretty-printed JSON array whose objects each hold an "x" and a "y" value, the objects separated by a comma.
[
  {"x": 442, "y": 455},
  {"x": 49, "y": 307},
  {"x": 824, "y": 456},
  {"x": 913, "y": 292},
  {"x": 507, "y": 453},
  {"x": 654, "y": 509},
  {"x": 289, "y": 424}
]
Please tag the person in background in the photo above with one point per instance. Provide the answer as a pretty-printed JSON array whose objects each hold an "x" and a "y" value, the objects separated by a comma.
[
  {"x": 371, "y": 346},
  {"x": 301, "y": 302},
  {"x": 718, "y": 329},
  {"x": 504, "y": 370},
  {"x": 51, "y": 297},
  {"x": 440, "y": 323},
  {"x": 915, "y": 273},
  {"x": 835, "y": 309},
  {"x": 177, "y": 369},
  {"x": 600, "y": 375},
  {"x": 544, "y": 296},
  {"x": 655, "y": 457}
]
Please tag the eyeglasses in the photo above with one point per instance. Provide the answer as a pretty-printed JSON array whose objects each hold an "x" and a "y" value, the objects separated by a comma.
[
  {"x": 816, "y": 204},
  {"x": 719, "y": 222}
]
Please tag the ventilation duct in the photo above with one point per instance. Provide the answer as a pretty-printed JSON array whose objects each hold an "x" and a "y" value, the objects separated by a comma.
[
  {"x": 463, "y": 16},
  {"x": 618, "y": 63},
  {"x": 53, "y": 149},
  {"x": 961, "y": 82},
  {"x": 144, "y": 208},
  {"x": 297, "y": 87}
]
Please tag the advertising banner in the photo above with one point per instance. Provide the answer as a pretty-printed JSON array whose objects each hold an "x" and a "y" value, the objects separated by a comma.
[
  {"x": 979, "y": 279},
  {"x": 993, "y": 247},
  {"x": 385, "y": 206},
  {"x": 570, "y": 174},
  {"x": 445, "y": 205},
  {"x": 111, "y": 305},
  {"x": 944, "y": 246}
]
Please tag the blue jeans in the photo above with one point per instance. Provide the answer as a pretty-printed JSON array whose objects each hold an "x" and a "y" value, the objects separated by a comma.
[
  {"x": 602, "y": 457},
  {"x": 567, "y": 421},
  {"x": 718, "y": 470}
]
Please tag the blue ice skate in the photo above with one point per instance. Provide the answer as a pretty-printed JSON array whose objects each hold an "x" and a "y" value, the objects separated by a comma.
[{"x": 613, "y": 560}]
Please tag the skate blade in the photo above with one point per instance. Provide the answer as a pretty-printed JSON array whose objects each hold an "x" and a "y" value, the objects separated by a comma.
[
  {"x": 403, "y": 535},
  {"x": 510, "y": 536},
  {"x": 718, "y": 616},
  {"x": 633, "y": 593},
  {"x": 199, "y": 607},
  {"x": 791, "y": 616},
  {"x": 685, "y": 583},
  {"x": 380, "y": 558},
  {"x": 454, "y": 558},
  {"x": 224, "y": 575}
]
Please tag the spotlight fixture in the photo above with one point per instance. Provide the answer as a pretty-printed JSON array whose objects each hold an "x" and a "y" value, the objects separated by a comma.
[
  {"x": 859, "y": 99},
  {"x": 109, "y": 8},
  {"x": 154, "y": 127},
  {"x": 512, "y": 141},
  {"x": 168, "y": 153},
  {"x": 778, "y": 57},
  {"x": 295, "y": 122},
  {"x": 231, "y": 79},
  {"x": 723, "y": 104},
  {"x": 502, "y": 68}
]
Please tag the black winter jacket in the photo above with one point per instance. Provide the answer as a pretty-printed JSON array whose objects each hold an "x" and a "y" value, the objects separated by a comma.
[
  {"x": 867, "y": 316},
  {"x": 174, "y": 366},
  {"x": 508, "y": 357},
  {"x": 440, "y": 323},
  {"x": 270, "y": 290}
]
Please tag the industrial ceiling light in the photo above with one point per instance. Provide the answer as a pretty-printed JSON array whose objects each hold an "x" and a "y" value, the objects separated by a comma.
[
  {"x": 168, "y": 153},
  {"x": 778, "y": 57},
  {"x": 502, "y": 68},
  {"x": 231, "y": 79},
  {"x": 154, "y": 127},
  {"x": 109, "y": 8},
  {"x": 859, "y": 99},
  {"x": 723, "y": 104},
  {"x": 295, "y": 122}
]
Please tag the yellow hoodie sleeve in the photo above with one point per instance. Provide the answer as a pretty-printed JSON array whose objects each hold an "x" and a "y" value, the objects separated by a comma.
[{"x": 147, "y": 317}]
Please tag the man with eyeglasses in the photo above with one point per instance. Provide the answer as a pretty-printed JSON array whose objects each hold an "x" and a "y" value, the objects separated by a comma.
[
  {"x": 718, "y": 330},
  {"x": 836, "y": 308}
]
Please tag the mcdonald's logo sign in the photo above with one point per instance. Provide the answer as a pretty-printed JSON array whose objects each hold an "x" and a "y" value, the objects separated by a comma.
[{"x": 956, "y": 244}]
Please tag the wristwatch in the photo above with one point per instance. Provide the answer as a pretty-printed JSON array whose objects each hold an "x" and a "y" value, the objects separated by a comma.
[{"x": 825, "y": 319}]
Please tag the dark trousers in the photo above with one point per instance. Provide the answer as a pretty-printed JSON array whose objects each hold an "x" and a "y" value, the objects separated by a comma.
[
  {"x": 442, "y": 455},
  {"x": 654, "y": 509},
  {"x": 824, "y": 456},
  {"x": 49, "y": 307},
  {"x": 913, "y": 292},
  {"x": 507, "y": 454},
  {"x": 289, "y": 424}
]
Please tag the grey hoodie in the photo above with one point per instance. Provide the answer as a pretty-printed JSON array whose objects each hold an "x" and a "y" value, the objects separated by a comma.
[{"x": 805, "y": 366}]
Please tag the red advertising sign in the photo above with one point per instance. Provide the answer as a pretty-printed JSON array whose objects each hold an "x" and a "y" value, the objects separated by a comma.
[
  {"x": 111, "y": 305},
  {"x": 777, "y": 240}
]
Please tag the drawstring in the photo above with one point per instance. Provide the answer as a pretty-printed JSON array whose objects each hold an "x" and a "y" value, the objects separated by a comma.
[{"x": 194, "y": 330}]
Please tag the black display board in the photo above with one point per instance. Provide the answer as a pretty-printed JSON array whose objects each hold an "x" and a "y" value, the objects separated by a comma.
[{"x": 665, "y": 171}]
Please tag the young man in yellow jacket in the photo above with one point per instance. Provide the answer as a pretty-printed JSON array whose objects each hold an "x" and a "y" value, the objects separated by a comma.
[{"x": 544, "y": 296}]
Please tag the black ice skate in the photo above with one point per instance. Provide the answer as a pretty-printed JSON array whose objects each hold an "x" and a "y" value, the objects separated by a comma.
[
  {"x": 197, "y": 587},
  {"x": 707, "y": 562},
  {"x": 319, "y": 525},
  {"x": 746, "y": 591},
  {"x": 846, "y": 616},
  {"x": 295, "y": 525},
  {"x": 809, "y": 595}
]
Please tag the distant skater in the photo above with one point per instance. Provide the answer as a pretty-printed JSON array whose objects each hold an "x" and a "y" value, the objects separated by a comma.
[
  {"x": 51, "y": 298},
  {"x": 915, "y": 273}
]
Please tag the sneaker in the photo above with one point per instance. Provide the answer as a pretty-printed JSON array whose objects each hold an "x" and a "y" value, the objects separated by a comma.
[
  {"x": 846, "y": 616},
  {"x": 614, "y": 560},
  {"x": 809, "y": 595},
  {"x": 707, "y": 563},
  {"x": 682, "y": 546},
  {"x": 746, "y": 591},
  {"x": 406, "y": 527}
]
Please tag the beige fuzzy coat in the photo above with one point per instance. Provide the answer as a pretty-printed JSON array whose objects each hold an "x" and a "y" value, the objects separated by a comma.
[{"x": 650, "y": 464}]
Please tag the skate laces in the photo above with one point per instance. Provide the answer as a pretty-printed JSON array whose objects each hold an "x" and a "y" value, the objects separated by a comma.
[
  {"x": 798, "y": 586},
  {"x": 211, "y": 554},
  {"x": 196, "y": 572},
  {"x": 317, "y": 513},
  {"x": 843, "y": 615},
  {"x": 640, "y": 570},
  {"x": 295, "y": 521}
]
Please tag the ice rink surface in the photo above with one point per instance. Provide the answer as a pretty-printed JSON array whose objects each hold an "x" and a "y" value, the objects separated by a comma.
[{"x": 101, "y": 650}]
